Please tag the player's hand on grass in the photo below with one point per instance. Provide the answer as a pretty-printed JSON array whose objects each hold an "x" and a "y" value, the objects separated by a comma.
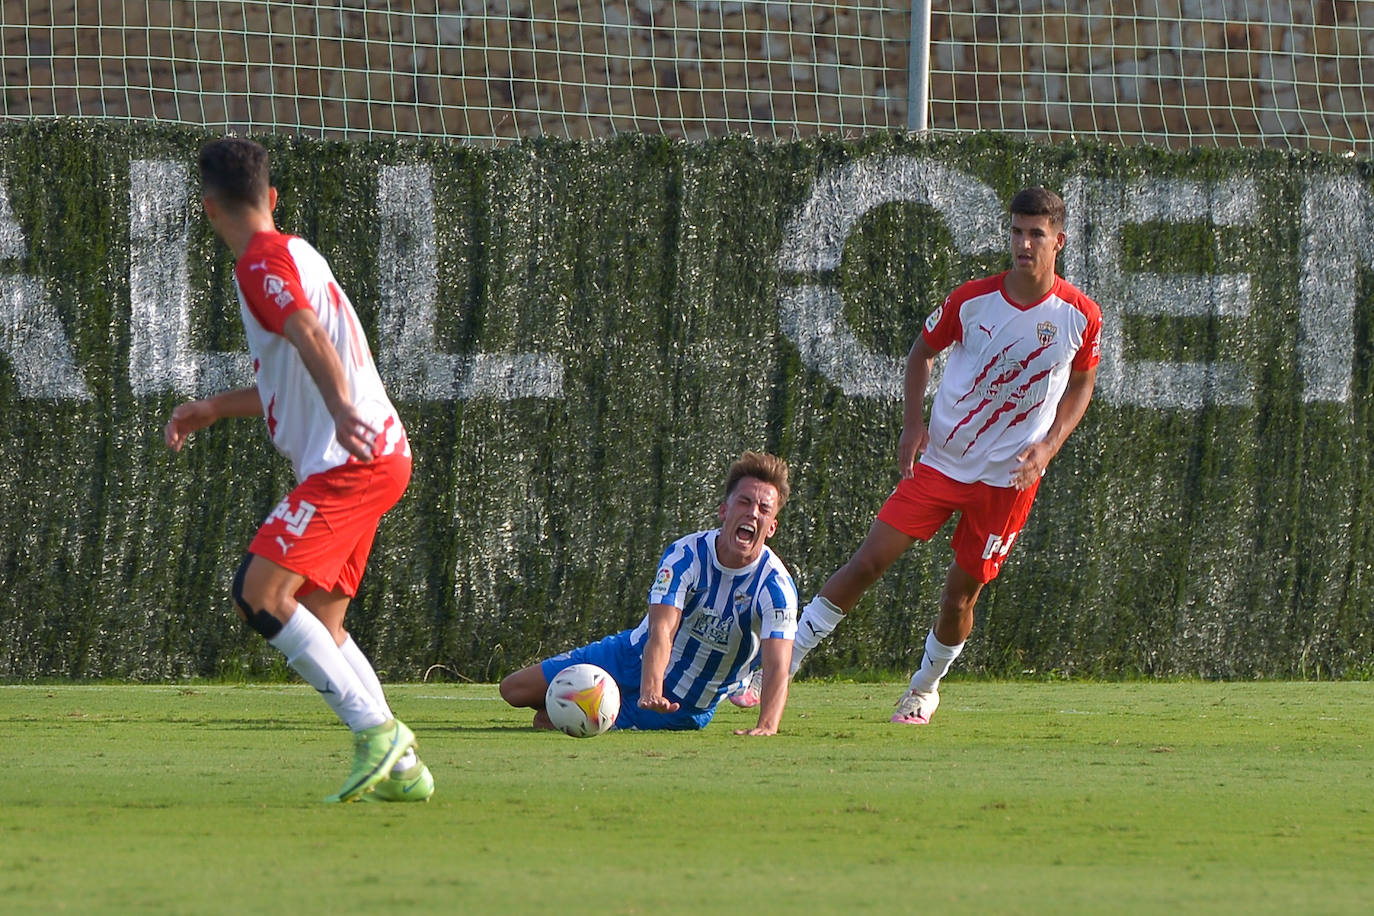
[
  {"x": 657, "y": 702},
  {"x": 354, "y": 433},
  {"x": 186, "y": 419}
]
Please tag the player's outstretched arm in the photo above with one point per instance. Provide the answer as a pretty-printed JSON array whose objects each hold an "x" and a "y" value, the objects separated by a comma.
[
  {"x": 195, "y": 415},
  {"x": 1035, "y": 458},
  {"x": 321, "y": 360},
  {"x": 776, "y": 659},
  {"x": 658, "y": 647}
]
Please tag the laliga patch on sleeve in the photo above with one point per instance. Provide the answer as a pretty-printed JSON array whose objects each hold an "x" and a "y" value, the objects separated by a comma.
[
  {"x": 661, "y": 582},
  {"x": 934, "y": 319}
]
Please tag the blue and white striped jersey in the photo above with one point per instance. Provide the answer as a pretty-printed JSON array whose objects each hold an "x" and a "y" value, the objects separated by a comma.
[{"x": 725, "y": 614}]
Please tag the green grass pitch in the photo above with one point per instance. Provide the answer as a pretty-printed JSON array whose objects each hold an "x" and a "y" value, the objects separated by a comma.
[{"x": 1061, "y": 797}]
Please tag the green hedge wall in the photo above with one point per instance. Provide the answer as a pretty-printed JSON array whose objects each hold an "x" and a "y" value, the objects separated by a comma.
[{"x": 581, "y": 336}]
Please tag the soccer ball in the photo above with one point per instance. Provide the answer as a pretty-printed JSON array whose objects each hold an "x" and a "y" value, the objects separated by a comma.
[{"x": 582, "y": 701}]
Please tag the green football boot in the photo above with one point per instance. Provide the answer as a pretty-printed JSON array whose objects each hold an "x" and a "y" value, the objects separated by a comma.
[
  {"x": 412, "y": 785},
  {"x": 375, "y": 752}
]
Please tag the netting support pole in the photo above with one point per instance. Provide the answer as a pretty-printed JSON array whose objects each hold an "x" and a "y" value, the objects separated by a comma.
[{"x": 918, "y": 68}]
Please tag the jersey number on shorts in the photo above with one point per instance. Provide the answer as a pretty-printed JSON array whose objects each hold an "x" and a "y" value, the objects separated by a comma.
[
  {"x": 996, "y": 547},
  {"x": 295, "y": 522}
]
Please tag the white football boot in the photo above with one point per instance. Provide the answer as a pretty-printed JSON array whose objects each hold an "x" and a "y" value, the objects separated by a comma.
[{"x": 916, "y": 708}]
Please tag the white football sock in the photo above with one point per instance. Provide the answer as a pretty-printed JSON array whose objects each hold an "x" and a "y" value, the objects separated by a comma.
[
  {"x": 363, "y": 668},
  {"x": 408, "y": 760},
  {"x": 934, "y": 664},
  {"x": 312, "y": 653},
  {"x": 818, "y": 620}
]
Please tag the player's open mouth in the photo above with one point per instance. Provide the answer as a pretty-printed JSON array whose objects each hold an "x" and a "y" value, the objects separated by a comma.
[{"x": 745, "y": 533}]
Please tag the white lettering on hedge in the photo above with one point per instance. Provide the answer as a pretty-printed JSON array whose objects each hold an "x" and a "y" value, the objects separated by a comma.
[
  {"x": 162, "y": 356},
  {"x": 1098, "y": 211},
  {"x": 813, "y": 313},
  {"x": 409, "y": 288},
  {"x": 31, "y": 333},
  {"x": 1337, "y": 217}
]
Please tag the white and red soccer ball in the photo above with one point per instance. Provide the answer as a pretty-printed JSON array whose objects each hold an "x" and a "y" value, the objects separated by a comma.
[{"x": 582, "y": 701}]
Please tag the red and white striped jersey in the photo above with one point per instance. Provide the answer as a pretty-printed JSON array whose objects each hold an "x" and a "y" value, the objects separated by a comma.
[
  {"x": 277, "y": 276},
  {"x": 1007, "y": 370}
]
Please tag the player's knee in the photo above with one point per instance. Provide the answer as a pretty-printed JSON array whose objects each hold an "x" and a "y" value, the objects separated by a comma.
[
  {"x": 960, "y": 592},
  {"x": 258, "y": 619},
  {"x": 508, "y": 690},
  {"x": 516, "y": 690},
  {"x": 263, "y": 623}
]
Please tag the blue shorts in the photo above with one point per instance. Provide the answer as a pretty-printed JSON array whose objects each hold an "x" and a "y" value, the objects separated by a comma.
[{"x": 624, "y": 663}]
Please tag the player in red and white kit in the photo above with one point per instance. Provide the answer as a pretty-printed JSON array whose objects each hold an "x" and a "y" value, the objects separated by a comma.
[
  {"x": 1023, "y": 354},
  {"x": 326, "y": 410}
]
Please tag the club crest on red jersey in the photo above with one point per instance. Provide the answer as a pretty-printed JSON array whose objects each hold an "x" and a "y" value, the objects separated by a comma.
[
  {"x": 1046, "y": 332},
  {"x": 276, "y": 290}
]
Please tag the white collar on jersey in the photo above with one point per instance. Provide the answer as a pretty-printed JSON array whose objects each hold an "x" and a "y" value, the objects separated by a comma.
[{"x": 729, "y": 570}]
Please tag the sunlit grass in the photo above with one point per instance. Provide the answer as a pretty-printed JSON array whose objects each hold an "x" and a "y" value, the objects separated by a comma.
[{"x": 1018, "y": 798}]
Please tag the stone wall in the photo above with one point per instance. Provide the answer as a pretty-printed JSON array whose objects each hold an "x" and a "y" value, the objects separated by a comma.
[{"x": 496, "y": 69}]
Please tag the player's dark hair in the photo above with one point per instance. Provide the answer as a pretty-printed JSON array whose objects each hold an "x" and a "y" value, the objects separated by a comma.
[
  {"x": 234, "y": 170},
  {"x": 1039, "y": 202},
  {"x": 761, "y": 466}
]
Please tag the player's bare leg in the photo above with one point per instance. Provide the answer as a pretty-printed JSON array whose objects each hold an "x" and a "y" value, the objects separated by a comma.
[
  {"x": 265, "y": 593},
  {"x": 943, "y": 645},
  {"x": 957, "y": 599},
  {"x": 527, "y": 688},
  {"x": 879, "y": 550},
  {"x": 410, "y": 779},
  {"x": 263, "y": 586},
  {"x": 329, "y": 608}
]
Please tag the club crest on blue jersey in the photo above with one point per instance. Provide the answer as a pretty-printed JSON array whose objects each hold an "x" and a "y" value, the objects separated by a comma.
[
  {"x": 726, "y": 614},
  {"x": 710, "y": 628}
]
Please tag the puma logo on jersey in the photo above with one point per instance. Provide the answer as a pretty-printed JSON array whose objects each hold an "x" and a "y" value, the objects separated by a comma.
[
  {"x": 283, "y": 544},
  {"x": 258, "y": 265},
  {"x": 986, "y": 330}
]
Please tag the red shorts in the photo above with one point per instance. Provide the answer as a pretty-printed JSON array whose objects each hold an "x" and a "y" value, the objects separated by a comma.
[
  {"x": 324, "y": 529},
  {"x": 989, "y": 521}
]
